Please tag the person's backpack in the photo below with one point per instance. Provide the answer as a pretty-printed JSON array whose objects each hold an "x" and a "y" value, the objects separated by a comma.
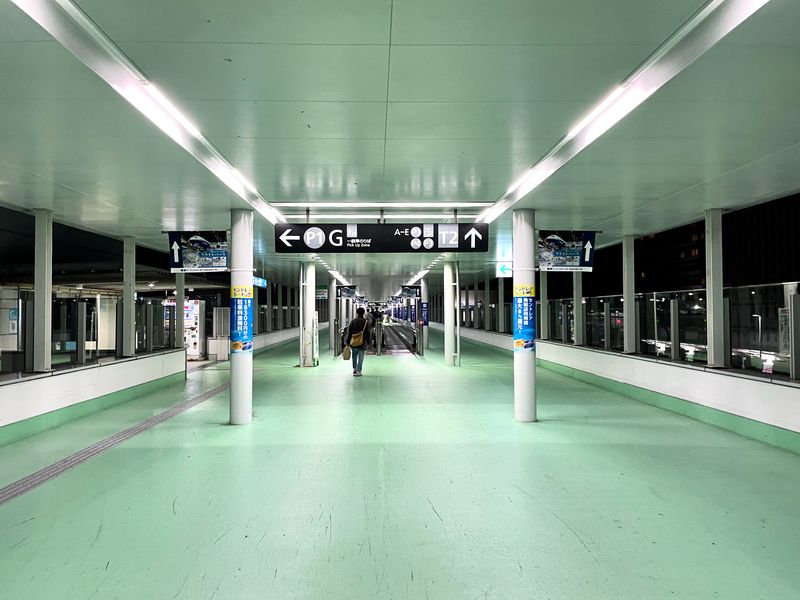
[{"x": 357, "y": 339}]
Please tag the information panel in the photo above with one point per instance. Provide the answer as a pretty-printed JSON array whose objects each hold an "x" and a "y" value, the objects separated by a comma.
[
  {"x": 346, "y": 291},
  {"x": 410, "y": 291},
  {"x": 524, "y": 318},
  {"x": 455, "y": 237},
  {"x": 198, "y": 251},
  {"x": 241, "y": 319},
  {"x": 424, "y": 311},
  {"x": 566, "y": 250}
]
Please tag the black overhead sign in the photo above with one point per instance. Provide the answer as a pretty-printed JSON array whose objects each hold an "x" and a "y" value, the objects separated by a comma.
[{"x": 452, "y": 237}]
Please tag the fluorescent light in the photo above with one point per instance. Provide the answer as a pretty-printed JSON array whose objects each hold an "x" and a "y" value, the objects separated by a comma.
[
  {"x": 361, "y": 216},
  {"x": 702, "y": 31},
  {"x": 322, "y": 205},
  {"x": 173, "y": 111},
  {"x": 596, "y": 111},
  {"x": 74, "y": 30}
]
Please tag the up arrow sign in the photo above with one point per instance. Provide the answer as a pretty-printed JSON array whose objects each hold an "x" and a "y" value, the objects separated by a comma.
[
  {"x": 471, "y": 235},
  {"x": 285, "y": 237},
  {"x": 175, "y": 252},
  {"x": 588, "y": 248}
]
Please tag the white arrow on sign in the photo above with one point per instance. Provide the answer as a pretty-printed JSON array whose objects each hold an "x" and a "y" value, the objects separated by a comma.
[
  {"x": 471, "y": 235},
  {"x": 588, "y": 248},
  {"x": 285, "y": 237},
  {"x": 175, "y": 249}
]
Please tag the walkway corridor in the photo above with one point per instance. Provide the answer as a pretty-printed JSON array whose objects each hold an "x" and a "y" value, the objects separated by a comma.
[{"x": 411, "y": 482}]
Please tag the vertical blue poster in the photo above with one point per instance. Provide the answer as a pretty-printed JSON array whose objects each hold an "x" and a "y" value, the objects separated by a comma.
[
  {"x": 241, "y": 319},
  {"x": 524, "y": 318},
  {"x": 424, "y": 312},
  {"x": 414, "y": 313}
]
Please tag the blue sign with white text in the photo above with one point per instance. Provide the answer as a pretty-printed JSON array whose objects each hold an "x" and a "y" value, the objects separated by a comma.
[
  {"x": 241, "y": 325},
  {"x": 424, "y": 315},
  {"x": 524, "y": 323},
  {"x": 414, "y": 312},
  {"x": 259, "y": 282}
]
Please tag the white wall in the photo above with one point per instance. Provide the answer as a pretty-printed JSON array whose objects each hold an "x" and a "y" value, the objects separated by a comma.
[
  {"x": 38, "y": 395},
  {"x": 774, "y": 403},
  {"x": 747, "y": 396}
]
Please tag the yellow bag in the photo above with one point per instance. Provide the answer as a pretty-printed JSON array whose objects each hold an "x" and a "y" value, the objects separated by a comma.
[{"x": 346, "y": 353}]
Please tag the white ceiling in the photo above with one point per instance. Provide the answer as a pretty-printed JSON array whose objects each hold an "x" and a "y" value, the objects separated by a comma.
[{"x": 311, "y": 101}]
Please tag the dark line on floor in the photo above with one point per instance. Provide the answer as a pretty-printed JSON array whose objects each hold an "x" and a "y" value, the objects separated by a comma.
[{"x": 31, "y": 482}]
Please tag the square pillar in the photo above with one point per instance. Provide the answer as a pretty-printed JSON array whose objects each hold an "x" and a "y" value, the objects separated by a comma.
[
  {"x": 715, "y": 305},
  {"x": 43, "y": 291},
  {"x": 578, "y": 309},
  {"x": 128, "y": 296},
  {"x": 629, "y": 331}
]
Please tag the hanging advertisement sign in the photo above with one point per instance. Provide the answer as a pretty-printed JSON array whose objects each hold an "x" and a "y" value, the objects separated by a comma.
[
  {"x": 346, "y": 291},
  {"x": 259, "y": 282},
  {"x": 424, "y": 315},
  {"x": 198, "y": 251},
  {"x": 566, "y": 250},
  {"x": 410, "y": 291},
  {"x": 241, "y": 319},
  {"x": 524, "y": 317},
  {"x": 322, "y": 292}
]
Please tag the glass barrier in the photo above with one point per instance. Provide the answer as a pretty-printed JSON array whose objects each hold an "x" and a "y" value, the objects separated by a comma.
[
  {"x": 760, "y": 328},
  {"x": 13, "y": 309}
]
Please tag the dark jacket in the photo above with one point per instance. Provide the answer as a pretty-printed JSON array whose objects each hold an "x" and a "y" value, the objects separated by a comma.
[{"x": 356, "y": 326}]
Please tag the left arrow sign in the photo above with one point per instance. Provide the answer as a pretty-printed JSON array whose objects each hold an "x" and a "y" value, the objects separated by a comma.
[
  {"x": 176, "y": 257},
  {"x": 285, "y": 237}
]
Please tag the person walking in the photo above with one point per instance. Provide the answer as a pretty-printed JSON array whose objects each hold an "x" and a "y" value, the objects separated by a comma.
[{"x": 358, "y": 335}]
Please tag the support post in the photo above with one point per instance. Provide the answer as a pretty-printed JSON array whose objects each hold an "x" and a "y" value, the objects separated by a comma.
[
  {"x": 128, "y": 296},
  {"x": 280, "y": 306},
  {"x": 715, "y": 309},
  {"x": 241, "y": 391},
  {"x": 180, "y": 314},
  {"x": 794, "y": 336},
  {"x": 674, "y": 329},
  {"x": 426, "y": 300},
  {"x": 629, "y": 330},
  {"x": 450, "y": 312},
  {"x": 80, "y": 342},
  {"x": 544, "y": 334},
  {"x": 43, "y": 291},
  {"x": 501, "y": 305},
  {"x": 578, "y": 309},
  {"x": 149, "y": 327},
  {"x": 332, "y": 314},
  {"x": 524, "y": 275},
  {"x": 308, "y": 295}
]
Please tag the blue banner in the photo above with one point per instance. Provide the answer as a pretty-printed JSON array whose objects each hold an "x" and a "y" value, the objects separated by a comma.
[
  {"x": 424, "y": 312},
  {"x": 414, "y": 312},
  {"x": 524, "y": 323},
  {"x": 241, "y": 325}
]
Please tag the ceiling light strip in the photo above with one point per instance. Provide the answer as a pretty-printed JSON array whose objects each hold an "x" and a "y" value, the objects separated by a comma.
[
  {"x": 695, "y": 37},
  {"x": 81, "y": 36},
  {"x": 371, "y": 216},
  {"x": 361, "y": 205}
]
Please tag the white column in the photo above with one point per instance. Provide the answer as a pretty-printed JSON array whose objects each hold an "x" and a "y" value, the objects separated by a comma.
[
  {"x": 43, "y": 291},
  {"x": 501, "y": 305},
  {"x": 180, "y": 300},
  {"x": 449, "y": 313},
  {"x": 279, "y": 305},
  {"x": 715, "y": 309},
  {"x": 332, "y": 312},
  {"x": 579, "y": 308},
  {"x": 544, "y": 334},
  {"x": 269, "y": 305},
  {"x": 308, "y": 295},
  {"x": 524, "y": 274},
  {"x": 486, "y": 311},
  {"x": 630, "y": 343},
  {"x": 425, "y": 298},
  {"x": 128, "y": 296},
  {"x": 241, "y": 406}
]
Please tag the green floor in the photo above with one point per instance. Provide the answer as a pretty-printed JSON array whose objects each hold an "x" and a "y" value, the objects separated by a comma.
[{"x": 411, "y": 482}]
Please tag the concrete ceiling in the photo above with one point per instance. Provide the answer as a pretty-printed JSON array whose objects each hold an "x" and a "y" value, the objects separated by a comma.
[{"x": 404, "y": 100}]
